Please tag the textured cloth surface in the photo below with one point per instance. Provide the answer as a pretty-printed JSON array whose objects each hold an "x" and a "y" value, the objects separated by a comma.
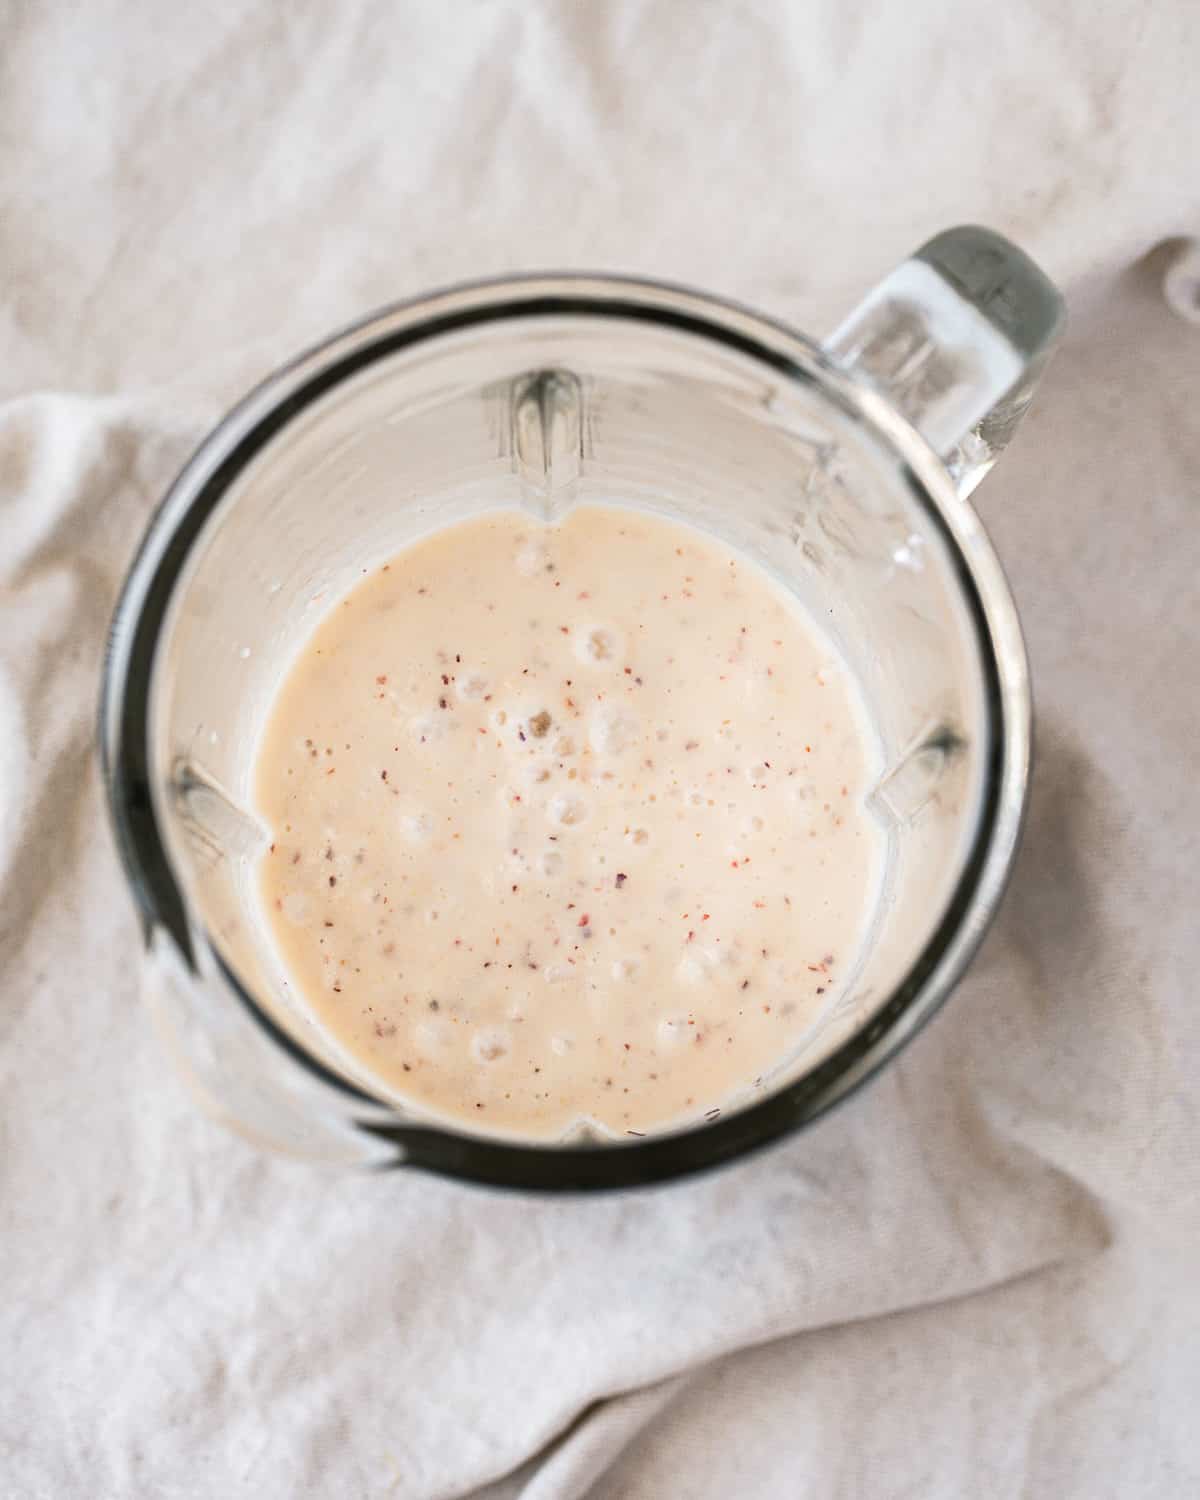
[{"x": 978, "y": 1278}]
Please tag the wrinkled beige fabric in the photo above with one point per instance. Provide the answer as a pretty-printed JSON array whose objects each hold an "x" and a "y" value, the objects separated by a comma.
[{"x": 980, "y": 1276}]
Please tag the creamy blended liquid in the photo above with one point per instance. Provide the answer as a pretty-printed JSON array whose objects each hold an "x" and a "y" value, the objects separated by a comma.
[{"x": 568, "y": 823}]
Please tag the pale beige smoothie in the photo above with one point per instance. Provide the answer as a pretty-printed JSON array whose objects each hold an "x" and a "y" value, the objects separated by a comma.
[{"x": 568, "y": 824}]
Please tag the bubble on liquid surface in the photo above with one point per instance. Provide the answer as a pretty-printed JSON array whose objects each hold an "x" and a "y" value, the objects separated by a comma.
[
  {"x": 800, "y": 795},
  {"x": 430, "y": 1038},
  {"x": 560, "y": 1045},
  {"x": 425, "y": 729},
  {"x": 556, "y": 973},
  {"x": 550, "y": 863},
  {"x": 532, "y": 560},
  {"x": 638, "y": 837},
  {"x": 597, "y": 645},
  {"x": 567, "y": 812},
  {"x": 691, "y": 969},
  {"x": 699, "y": 964},
  {"x": 417, "y": 827},
  {"x": 624, "y": 970},
  {"x": 672, "y": 1032},
  {"x": 612, "y": 731},
  {"x": 490, "y": 1045},
  {"x": 471, "y": 687}
]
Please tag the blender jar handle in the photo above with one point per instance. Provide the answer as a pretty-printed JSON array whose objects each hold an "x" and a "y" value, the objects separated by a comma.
[{"x": 956, "y": 338}]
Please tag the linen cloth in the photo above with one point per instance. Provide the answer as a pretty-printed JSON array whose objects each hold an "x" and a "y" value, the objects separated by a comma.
[{"x": 981, "y": 1276}]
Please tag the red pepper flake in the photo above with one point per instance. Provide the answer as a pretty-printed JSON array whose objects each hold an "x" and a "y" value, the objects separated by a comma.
[
  {"x": 332, "y": 881},
  {"x": 691, "y": 935},
  {"x": 629, "y": 671},
  {"x": 733, "y": 864},
  {"x": 745, "y": 984},
  {"x": 563, "y": 630},
  {"x": 445, "y": 680},
  {"x": 627, "y": 1047},
  {"x": 583, "y": 921},
  {"x": 691, "y": 744},
  {"x": 820, "y": 989},
  {"x": 442, "y": 703},
  {"x": 514, "y": 887},
  {"x": 705, "y": 917},
  {"x": 620, "y": 880},
  {"x": 381, "y": 680},
  {"x": 296, "y": 857},
  {"x": 383, "y": 775},
  {"x": 331, "y": 771},
  {"x": 814, "y": 968}
]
